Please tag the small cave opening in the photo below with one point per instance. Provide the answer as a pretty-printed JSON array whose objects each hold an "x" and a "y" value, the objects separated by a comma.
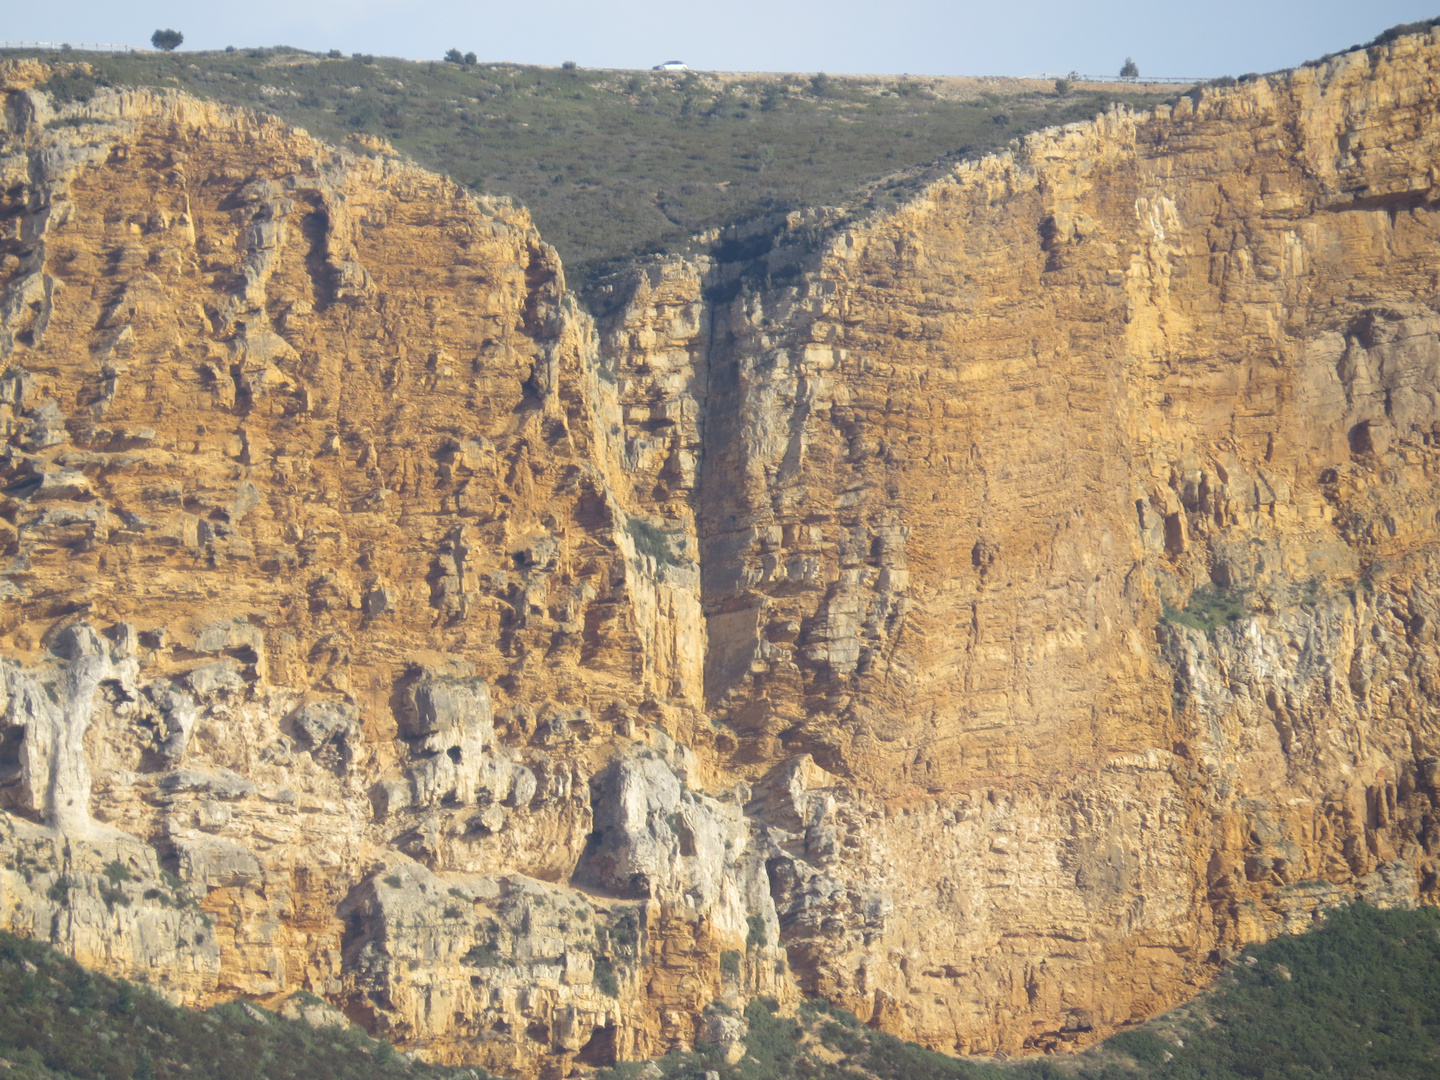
[
  {"x": 600, "y": 1048},
  {"x": 1362, "y": 439}
]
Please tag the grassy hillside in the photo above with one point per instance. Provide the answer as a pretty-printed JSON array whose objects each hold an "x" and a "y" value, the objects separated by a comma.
[
  {"x": 60, "y": 1022},
  {"x": 1358, "y": 999},
  {"x": 617, "y": 163}
]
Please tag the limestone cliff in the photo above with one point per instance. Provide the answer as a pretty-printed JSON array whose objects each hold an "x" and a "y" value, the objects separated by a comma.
[{"x": 811, "y": 620}]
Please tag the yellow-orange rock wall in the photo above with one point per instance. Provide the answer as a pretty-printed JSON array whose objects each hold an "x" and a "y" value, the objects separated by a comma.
[{"x": 981, "y": 460}]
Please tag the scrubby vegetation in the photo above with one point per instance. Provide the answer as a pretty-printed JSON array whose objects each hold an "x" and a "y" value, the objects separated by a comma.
[
  {"x": 605, "y": 980},
  {"x": 613, "y": 164},
  {"x": 1358, "y": 998},
  {"x": 1382, "y": 39},
  {"x": 1209, "y": 607},
  {"x": 61, "y": 1022},
  {"x": 652, "y": 541},
  {"x": 806, "y": 1047}
]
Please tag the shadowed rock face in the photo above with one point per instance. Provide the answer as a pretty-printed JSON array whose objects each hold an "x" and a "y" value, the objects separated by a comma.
[{"x": 985, "y": 617}]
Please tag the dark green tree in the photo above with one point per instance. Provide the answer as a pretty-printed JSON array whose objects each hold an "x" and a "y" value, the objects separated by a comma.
[
  {"x": 168, "y": 40},
  {"x": 1131, "y": 70}
]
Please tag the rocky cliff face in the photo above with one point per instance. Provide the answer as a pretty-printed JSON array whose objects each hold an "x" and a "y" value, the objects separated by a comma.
[{"x": 825, "y": 617}]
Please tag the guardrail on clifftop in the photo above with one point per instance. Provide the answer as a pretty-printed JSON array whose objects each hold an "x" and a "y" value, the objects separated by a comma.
[
  {"x": 69, "y": 46},
  {"x": 1139, "y": 80}
]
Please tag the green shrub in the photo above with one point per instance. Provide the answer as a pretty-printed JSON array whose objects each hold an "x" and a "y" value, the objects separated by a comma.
[
  {"x": 838, "y": 1037},
  {"x": 1209, "y": 607},
  {"x": 605, "y": 980},
  {"x": 72, "y": 86},
  {"x": 1401, "y": 30},
  {"x": 730, "y": 963},
  {"x": 484, "y": 956},
  {"x": 756, "y": 936},
  {"x": 652, "y": 541},
  {"x": 772, "y": 1038},
  {"x": 113, "y": 897},
  {"x": 622, "y": 935}
]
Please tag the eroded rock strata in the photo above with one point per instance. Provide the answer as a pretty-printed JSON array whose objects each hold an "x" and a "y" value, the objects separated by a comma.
[{"x": 816, "y": 618}]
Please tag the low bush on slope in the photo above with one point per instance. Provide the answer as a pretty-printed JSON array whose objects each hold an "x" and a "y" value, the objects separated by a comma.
[
  {"x": 1358, "y": 999},
  {"x": 59, "y": 1021}
]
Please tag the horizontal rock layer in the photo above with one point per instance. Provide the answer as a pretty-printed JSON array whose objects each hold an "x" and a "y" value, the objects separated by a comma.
[{"x": 984, "y": 615}]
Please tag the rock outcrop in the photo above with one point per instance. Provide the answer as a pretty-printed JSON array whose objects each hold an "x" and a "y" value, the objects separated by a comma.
[{"x": 984, "y": 615}]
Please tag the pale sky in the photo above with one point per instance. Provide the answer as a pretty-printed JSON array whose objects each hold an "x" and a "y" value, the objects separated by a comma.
[{"x": 932, "y": 37}]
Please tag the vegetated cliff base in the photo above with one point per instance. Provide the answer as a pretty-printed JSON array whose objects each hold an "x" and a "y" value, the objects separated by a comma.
[{"x": 983, "y": 615}]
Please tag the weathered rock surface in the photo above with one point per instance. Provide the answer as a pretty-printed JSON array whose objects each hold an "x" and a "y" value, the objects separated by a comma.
[{"x": 379, "y": 626}]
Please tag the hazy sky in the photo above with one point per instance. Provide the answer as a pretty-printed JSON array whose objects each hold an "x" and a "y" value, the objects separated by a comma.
[{"x": 940, "y": 37}]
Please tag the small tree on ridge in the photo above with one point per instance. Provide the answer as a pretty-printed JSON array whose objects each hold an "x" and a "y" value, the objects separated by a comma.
[
  {"x": 1131, "y": 70},
  {"x": 168, "y": 40}
]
